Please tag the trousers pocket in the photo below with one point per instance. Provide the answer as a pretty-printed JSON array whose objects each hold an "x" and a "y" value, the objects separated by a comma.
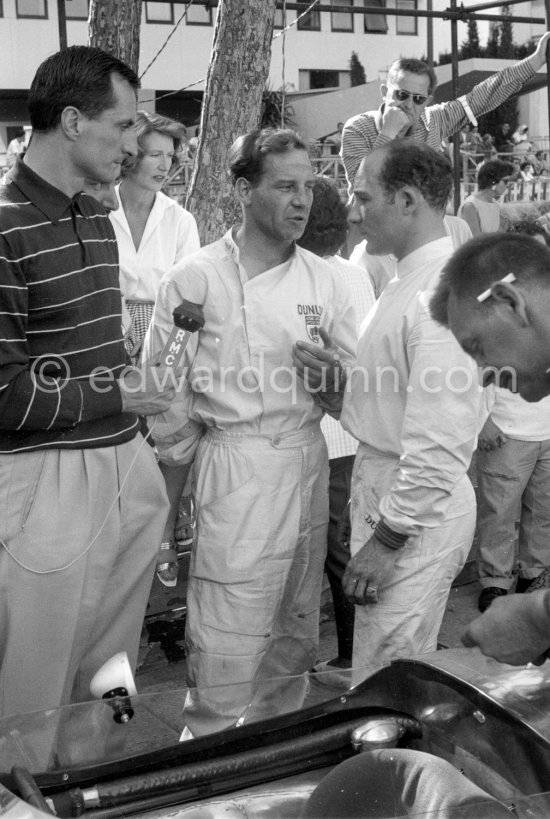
[{"x": 20, "y": 478}]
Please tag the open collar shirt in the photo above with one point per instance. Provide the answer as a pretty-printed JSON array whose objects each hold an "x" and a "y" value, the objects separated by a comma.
[
  {"x": 170, "y": 234},
  {"x": 239, "y": 366}
]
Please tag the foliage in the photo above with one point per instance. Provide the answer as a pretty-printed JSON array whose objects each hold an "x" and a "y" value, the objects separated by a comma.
[
  {"x": 356, "y": 70},
  {"x": 276, "y": 110},
  {"x": 470, "y": 47},
  {"x": 493, "y": 42},
  {"x": 500, "y": 45},
  {"x": 507, "y": 50}
]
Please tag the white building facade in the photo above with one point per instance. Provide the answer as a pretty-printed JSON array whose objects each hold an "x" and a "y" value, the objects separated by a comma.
[{"x": 312, "y": 55}]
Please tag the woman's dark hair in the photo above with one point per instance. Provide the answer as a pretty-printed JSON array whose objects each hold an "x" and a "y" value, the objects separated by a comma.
[
  {"x": 327, "y": 225},
  {"x": 78, "y": 76},
  {"x": 492, "y": 172}
]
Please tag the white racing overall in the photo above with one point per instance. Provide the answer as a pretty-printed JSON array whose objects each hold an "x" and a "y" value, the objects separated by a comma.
[
  {"x": 414, "y": 405},
  {"x": 261, "y": 470}
]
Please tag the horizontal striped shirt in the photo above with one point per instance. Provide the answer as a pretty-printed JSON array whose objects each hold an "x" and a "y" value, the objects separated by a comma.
[
  {"x": 61, "y": 350},
  {"x": 361, "y": 132}
]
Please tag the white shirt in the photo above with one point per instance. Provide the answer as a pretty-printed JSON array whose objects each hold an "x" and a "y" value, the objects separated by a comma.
[
  {"x": 358, "y": 284},
  {"x": 520, "y": 419},
  {"x": 241, "y": 377},
  {"x": 407, "y": 400},
  {"x": 170, "y": 234},
  {"x": 458, "y": 229}
]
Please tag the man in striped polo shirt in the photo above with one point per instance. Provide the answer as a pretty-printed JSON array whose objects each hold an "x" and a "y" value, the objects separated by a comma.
[
  {"x": 406, "y": 110},
  {"x": 83, "y": 501}
]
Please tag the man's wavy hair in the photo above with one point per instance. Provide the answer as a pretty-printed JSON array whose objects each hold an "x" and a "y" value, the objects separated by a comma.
[
  {"x": 409, "y": 162},
  {"x": 248, "y": 153},
  {"x": 413, "y": 66}
]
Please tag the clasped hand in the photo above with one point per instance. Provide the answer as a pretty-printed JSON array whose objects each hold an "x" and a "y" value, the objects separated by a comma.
[
  {"x": 149, "y": 388},
  {"x": 321, "y": 368}
]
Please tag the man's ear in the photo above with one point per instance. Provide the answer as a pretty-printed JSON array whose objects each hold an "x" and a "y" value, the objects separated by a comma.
[
  {"x": 71, "y": 121},
  {"x": 408, "y": 198},
  {"x": 384, "y": 91},
  {"x": 511, "y": 300},
  {"x": 243, "y": 189}
]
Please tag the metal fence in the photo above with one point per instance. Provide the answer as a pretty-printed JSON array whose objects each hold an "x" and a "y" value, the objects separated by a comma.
[{"x": 330, "y": 165}]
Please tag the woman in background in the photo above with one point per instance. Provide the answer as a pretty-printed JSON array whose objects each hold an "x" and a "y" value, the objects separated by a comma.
[
  {"x": 153, "y": 232},
  {"x": 481, "y": 209}
]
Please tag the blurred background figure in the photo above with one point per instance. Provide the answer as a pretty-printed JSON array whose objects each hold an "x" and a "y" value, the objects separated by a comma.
[
  {"x": 488, "y": 147},
  {"x": 521, "y": 135},
  {"x": 481, "y": 209},
  {"x": 193, "y": 143},
  {"x": 15, "y": 148},
  {"x": 541, "y": 168},
  {"x": 325, "y": 233},
  {"x": 153, "y": 232},
  {"x": 527, "y": 171},
  {"x": 503, "y": 139}
]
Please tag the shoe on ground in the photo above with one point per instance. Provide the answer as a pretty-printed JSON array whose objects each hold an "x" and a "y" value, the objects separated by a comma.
[
  {"x": 542, "y": 581},
  {"x": 523, "y": 584},
  {"x": 167, "y": 565},
  {"x": 488, "y": 595},
  {"x": 185, "y": 522}
]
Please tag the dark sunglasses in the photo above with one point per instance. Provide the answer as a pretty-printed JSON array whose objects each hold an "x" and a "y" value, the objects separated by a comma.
[{"x": 402, "y": 96}]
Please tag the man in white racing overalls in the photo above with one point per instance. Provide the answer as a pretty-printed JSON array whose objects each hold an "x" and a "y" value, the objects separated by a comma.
[
  {"x": 412, "y": 400},
  {"x": 252, "y": 429}
]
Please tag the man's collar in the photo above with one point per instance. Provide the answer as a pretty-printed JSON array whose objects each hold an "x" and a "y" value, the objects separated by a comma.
[{"x": 53, "y": 203}]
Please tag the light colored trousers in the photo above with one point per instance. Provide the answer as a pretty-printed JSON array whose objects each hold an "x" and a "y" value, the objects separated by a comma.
[
  {"x": 80, "y": 533},
  {"x": 256, "y": 573},
  {"x": 516, "y": 474},
  {"x": 407, "y": 618}
]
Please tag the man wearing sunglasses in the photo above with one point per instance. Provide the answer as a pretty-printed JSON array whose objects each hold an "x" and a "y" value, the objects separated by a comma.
[{"x": 407, "y": 109}]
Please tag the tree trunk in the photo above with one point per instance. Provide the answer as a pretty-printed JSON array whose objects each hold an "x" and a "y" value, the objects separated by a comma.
[
  {"x": 237, "y": 74},
  {"x": 113, "y": 25}
]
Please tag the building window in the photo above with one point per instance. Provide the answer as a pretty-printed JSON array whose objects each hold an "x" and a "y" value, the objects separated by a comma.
[
  {"x": 341, "y": 20},
  {"x": 313, "y": 80},
  {"x": 375, "y": 23},
  {"x": 1, "y": 9},
  {"x": 159, "y": 13},
  {"x": 407, "y": 25},
  {"x": 76, "y": 9},
  {"x": 199, "y": 16},
  {"x": 278, "y": 20},
  {"x": 310, "y": 21},
  {"x": 32, "y": 8}
]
